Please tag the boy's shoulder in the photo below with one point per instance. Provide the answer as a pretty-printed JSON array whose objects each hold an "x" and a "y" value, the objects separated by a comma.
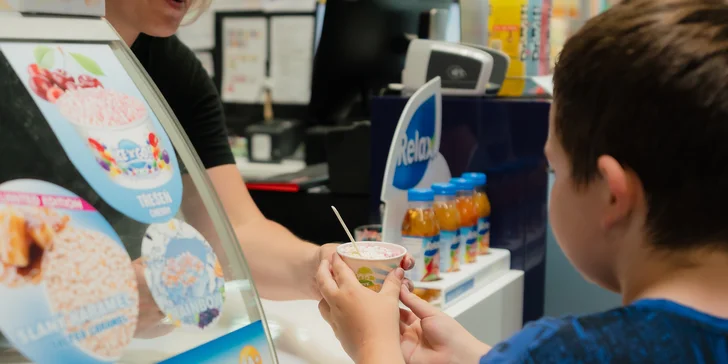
[{"x": 648, "y": 331}]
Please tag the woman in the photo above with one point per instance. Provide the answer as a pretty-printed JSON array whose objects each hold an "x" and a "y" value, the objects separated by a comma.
[{"x": 277, "y": 258}]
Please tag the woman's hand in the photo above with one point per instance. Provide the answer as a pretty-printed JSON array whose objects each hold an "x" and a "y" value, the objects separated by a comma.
[
  {"x": 429, "y": 336},
  {"x": 366, "y": 322}
]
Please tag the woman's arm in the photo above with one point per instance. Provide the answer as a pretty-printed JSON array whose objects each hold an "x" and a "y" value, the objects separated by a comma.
[{"x": 282, "y": 265}]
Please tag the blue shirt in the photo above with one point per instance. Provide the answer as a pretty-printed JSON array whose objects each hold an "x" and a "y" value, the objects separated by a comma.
[{"x": 648, "y": 331}]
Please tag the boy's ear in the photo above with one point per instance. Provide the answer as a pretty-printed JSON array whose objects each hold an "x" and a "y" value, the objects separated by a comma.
[{"x": 621, "y": 190}]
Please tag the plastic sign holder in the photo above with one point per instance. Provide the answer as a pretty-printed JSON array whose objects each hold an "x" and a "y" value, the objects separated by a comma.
[
  {"x": 414, "y": 159},
  {"x": 453, "y": 287}
]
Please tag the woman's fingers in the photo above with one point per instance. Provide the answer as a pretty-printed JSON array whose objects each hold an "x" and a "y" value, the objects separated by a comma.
[
  {"x": 342, "y": 273},
  {"x": 408, "y": 262},
  {"x": 326, "y": 283}
]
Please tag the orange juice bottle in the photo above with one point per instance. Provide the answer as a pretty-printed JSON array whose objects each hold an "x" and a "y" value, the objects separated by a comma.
[
  {"x": 448, "y": 217},
  {"x": 468, "y": 218},
  {"x": 482, "y": 206},
  {"x": 420, "y": 234}
]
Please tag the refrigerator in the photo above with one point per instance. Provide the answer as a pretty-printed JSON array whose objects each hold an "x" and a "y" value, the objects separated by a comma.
[{"x": 101, "y": 260}]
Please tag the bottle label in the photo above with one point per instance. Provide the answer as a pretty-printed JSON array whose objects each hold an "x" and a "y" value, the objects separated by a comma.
[
  {"x": 449, "y": 249},
  {"x": 483, "y": 235},
  {"x": 469, "y": 243},
  {"x": 426, "y": 253}
]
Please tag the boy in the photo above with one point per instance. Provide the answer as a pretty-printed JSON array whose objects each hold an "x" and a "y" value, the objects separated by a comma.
[{"x": 638, "y": 141}]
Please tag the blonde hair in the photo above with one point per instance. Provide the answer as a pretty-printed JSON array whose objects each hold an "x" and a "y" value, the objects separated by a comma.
[{"x": 197, "y": 8}]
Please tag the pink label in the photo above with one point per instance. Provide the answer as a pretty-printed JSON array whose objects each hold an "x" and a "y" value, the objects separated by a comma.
[
  {"x": 33, "y": 199},
  {"x": 545, "y": 56}
]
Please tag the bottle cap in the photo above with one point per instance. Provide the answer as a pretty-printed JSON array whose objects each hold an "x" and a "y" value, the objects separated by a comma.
[
  {"x": 420, "y": 195},
  {"x": 462, "y": 184},
  {"x": 479, "y": 179},
  {"x": 444, "y": 189}
]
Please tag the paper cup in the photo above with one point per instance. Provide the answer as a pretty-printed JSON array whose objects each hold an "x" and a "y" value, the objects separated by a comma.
[{"x": 371, "y": 272}]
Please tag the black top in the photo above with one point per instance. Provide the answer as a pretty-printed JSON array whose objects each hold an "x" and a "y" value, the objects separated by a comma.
[{"x": 191, "y": 94}]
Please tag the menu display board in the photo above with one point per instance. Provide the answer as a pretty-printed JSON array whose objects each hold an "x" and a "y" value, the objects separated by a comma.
[
  {"x": 68, "y": 286},
  {"x": 90, "y": 177},
  {"x": 104, "y": 124}
]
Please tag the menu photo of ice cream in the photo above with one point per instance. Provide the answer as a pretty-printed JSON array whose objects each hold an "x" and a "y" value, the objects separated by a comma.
[
  {"x": 183, "y": 274},
  {"x": 116, "y": 126},
  {"x": 104, "y": 124},
  {"x": 68, "y": 286}
]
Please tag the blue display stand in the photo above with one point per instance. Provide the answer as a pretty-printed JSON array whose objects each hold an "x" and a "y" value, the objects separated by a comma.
[{"x": 503, "y": 138}]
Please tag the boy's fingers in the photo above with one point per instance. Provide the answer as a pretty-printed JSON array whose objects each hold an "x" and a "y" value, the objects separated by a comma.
[
  {"x": 402, "y": 328},
  {"x": 408, "y": 284},
  {"x": 342, "y": 273},
  {"x": 325, "y": 310},
  {"x": 418, "y": 306},
  {"x": 407, "y": 317},
  {"x": 393, "y": 282},
  {"x": 326, "y": 283}
]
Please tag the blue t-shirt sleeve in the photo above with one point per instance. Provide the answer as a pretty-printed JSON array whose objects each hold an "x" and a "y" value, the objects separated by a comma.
[
  {"x": 649, "y": 331},
  {"x": 517, "y": 348}
]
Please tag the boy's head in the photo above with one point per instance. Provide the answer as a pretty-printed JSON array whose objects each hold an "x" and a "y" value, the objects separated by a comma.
[{"x": 639, "y": 135}]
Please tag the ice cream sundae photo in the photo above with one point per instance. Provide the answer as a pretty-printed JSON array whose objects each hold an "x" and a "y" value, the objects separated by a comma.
[{"x": 116, "y": 127}]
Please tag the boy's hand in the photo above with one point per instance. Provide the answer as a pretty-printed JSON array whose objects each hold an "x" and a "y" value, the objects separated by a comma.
[
  {"x": 364, "y": 321},
  {"x": 325, "y": 252},
  {"x": 429, "y": 336}
]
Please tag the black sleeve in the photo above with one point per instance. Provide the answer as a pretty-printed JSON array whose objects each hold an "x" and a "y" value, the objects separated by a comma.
[{"x": 191, "y": 94}]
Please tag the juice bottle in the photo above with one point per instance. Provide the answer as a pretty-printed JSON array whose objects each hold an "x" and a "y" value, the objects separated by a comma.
[
  {"x": 420, "y": 235},
  {"x": 448, "y": 218},
  {"x": 468, "y": 218},
  {"x": 482, "y": 207}
]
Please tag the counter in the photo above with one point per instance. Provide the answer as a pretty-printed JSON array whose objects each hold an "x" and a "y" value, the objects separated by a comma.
[{"x": 491, "y": 313}]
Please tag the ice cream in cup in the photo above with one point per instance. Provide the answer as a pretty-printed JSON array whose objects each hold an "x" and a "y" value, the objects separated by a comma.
[
  {"x": 120, "y": 134},
  {"x": 374, "y": 263}
]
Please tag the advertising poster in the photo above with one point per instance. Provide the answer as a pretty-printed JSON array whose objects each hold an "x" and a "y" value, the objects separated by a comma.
[
  {"x": 68, "y": 288},
  {"x": 247, "y": 345},
  {"x": 104, "y": 124},
  {"x": 183, "y": 274},
  {"x": 414, "y": 159}
]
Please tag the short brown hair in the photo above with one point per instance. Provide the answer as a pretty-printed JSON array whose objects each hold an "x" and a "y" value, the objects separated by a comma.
[{"x": 646, "y": 82}]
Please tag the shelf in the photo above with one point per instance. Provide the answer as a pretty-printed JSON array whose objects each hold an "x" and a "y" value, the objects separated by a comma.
[{"x": 454, "y": 286}]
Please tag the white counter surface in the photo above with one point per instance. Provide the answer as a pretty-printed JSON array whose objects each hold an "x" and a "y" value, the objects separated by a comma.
[{"x": 491, "y": 313}]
